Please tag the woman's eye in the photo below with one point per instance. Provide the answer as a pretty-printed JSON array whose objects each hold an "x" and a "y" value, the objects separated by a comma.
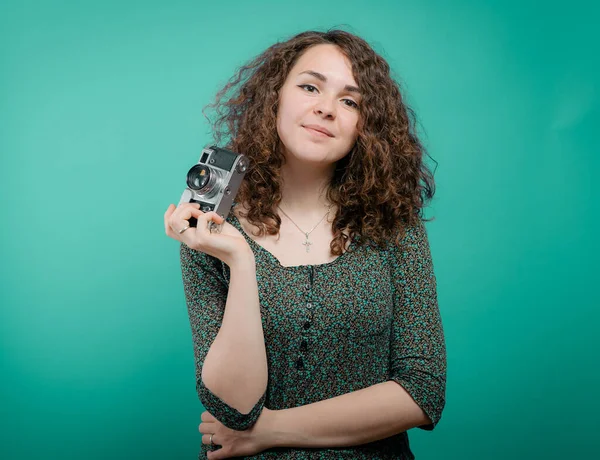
[
  {"x": 309, "y": 88},
  {"x": 351, "y": 103}
]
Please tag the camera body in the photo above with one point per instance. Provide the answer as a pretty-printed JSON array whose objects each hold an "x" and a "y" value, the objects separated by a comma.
[{"x": 215, "y": 180}]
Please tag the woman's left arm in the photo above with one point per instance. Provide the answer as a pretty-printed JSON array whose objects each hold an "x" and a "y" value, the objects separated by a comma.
[
  {"x": 351, "y": 419},
  {"x": 417, "y": 346}
]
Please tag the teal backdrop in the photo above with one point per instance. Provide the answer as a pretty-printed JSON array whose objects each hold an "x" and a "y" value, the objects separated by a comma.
[{"x": 101, "y": 118}]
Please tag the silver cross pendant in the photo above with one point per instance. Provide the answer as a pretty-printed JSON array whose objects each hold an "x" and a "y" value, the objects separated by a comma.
[{"x": 307, "y": 243}]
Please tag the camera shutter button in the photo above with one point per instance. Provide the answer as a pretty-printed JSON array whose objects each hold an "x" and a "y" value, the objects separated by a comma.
[{"x": 242, "y": 165}]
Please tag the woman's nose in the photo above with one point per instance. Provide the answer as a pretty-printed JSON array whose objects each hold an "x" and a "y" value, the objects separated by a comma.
[{"x": 325, "y": 108}]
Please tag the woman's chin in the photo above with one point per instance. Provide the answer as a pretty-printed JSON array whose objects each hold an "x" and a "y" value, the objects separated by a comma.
[{"x": 312, "y": 156}]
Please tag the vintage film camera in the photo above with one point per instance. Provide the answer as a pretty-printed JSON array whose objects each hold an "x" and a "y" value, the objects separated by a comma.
[{"x": 214, "y": 182}]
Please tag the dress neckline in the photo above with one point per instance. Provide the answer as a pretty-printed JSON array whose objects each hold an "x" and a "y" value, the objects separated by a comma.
[{"x": 237, "y": 224}]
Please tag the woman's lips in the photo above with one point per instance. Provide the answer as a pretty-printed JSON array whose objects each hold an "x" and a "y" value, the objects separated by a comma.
[{"x": 316, "y": 132}]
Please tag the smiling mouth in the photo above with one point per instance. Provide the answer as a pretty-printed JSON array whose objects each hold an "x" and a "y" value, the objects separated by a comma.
[{"x": 316, "y": 132}]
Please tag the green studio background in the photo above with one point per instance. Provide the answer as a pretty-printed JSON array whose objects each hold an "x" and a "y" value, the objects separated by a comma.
[{"x": 101, "y": 118}]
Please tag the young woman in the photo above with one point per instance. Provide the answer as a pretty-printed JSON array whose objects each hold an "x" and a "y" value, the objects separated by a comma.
[{"x": 314, "y": 312}]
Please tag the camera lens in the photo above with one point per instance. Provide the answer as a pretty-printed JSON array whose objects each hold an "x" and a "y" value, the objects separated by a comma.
[{"x": 198, "y": 176}]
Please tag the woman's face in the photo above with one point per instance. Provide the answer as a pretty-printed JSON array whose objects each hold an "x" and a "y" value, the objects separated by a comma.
[{"x": 318, "y": 107}]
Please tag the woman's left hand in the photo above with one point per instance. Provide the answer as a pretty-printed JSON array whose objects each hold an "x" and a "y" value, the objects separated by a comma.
[{"x": 235, "y": 443}]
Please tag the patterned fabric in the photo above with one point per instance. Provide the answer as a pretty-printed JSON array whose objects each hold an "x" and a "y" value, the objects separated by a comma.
[{"x": 367, "y": 317}]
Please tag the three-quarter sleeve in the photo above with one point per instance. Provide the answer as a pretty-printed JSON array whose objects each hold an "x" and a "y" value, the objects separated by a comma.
[
  {"x": 206, "y": 288},
  {"x": 417, "y": 348}
]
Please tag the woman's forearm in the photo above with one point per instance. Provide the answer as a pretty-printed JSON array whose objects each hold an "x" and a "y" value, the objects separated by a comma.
[
  {"x": 355, "y": 418},
  {"x": 235, "y": 367}
]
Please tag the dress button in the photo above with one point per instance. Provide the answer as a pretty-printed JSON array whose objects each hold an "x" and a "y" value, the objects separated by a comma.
[
  {"x": 303, "y": 345},
  {"x": 300, "y": 364},
  {"x": 307, "y": 287},
  {"x": 307, "y": 325},
  {"x": 309, "y": 305}
]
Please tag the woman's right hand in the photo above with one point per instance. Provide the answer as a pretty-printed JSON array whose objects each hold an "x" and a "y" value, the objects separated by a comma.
[{"x": 229, "y": 245}]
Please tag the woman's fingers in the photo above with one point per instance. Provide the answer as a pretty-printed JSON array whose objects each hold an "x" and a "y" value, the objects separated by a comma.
[
  {"x": 186, "y": 210},
  {"x": 205, "y": 217},
  {"x": 204, "y": 236},
  {"x": 195, "y": 238},
  {"x": 170, "y": 210},
  {"x": 214, "y": 217},
  {"x": 176, "y": 218},
  {"x": 180, "y": 217}
]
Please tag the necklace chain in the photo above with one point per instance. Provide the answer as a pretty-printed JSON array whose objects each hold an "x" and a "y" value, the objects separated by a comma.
[{"x": 306, "y": 243}]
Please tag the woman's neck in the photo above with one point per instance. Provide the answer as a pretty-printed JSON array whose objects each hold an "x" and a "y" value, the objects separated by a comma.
[{"x": 304, "y": 190}]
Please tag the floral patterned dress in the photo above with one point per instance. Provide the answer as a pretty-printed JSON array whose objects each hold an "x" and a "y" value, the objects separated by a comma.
[{"x": 369, "y": 316}]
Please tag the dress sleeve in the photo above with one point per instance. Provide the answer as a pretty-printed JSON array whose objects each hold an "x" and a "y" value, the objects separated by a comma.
[
  {"x": 206, "y": 287},
  {"x": 418, "y": 350}
]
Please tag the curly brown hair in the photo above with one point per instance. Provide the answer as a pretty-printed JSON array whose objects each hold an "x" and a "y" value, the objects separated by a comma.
[{"x": 379, "y": 188}]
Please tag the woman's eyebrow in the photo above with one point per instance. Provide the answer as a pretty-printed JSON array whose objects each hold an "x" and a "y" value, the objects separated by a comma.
[{"x": 323, "y": 78}]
